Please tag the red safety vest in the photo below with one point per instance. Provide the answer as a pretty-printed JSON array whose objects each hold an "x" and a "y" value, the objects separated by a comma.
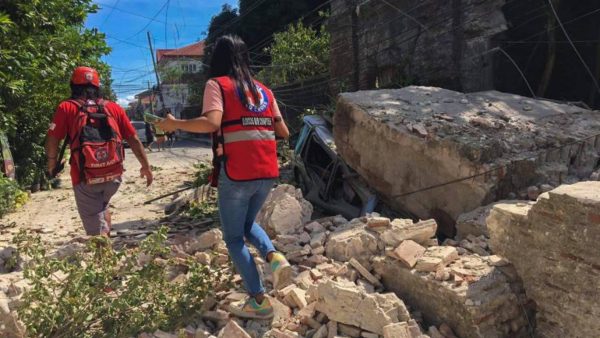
[{"x": 247, "y": 134}]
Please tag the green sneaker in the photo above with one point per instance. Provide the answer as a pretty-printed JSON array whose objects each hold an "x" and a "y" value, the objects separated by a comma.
[
  {"x": 282, "y": 271},
  {"x": 252, "y": 310}
]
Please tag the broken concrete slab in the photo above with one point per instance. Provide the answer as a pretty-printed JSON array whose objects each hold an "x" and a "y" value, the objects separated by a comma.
[
  {"x": 364, "y": 272},
  {"x": 232, "y": 330},
  {"x": 474, "y": 222},
  {"x": 408, "y": 252},
  {"x": 346, "y": 304},
  {"x": 483, "y": 304},
  {"x": 206, "y": 240},
  {"x": 396, "y": 330},
  {"x": 404, "y": 229},
  {"x": 285, "y": 211},
  {"x": 356, "y": 242},
  {"x": 558, "y": 236},
  {"x": 436, "y": 257},
  {"x": 485, "y": 130}
]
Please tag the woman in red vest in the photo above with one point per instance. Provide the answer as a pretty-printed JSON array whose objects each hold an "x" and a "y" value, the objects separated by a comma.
[{"x": 244, "y": 118}]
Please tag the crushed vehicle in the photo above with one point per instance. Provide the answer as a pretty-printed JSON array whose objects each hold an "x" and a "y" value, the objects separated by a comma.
[{"x": 325, "y": 179}]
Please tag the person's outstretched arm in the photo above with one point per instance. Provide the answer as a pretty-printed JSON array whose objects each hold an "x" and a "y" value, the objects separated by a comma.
[{"x": 209, "y": 122}]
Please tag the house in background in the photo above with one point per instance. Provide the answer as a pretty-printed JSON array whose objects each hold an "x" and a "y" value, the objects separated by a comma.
[{"x": 177, "y": 69}]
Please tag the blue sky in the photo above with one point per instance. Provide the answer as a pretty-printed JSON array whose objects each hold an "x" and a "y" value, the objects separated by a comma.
[{"x": 176, "y": 23}]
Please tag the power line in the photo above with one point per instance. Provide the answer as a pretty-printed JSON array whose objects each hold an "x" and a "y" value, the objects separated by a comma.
[
  {"x": 109, "y": 14},
  {"x": 574, "y": 48},
  {"x": 270, "y": 37},
  {"x": 150, "y": 21},
  {"x": 241, "y": 16},
  {"x": 167, "y": 20},
  {"x": 140, "y": 15}
]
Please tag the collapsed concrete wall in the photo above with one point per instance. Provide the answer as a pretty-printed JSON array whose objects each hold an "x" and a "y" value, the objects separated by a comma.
[
  {"x": 470, "y": 294},
  {"x": 442, "y": 43},
  {"x": 553, "y": 245},
  {"x": 404, "y": 140}
]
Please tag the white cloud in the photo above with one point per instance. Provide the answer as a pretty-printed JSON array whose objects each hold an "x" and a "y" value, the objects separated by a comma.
[{"x": 124, "y": 102}]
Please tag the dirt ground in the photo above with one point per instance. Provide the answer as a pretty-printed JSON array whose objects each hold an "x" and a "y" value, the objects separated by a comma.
[{"x": 54, "y": 215}]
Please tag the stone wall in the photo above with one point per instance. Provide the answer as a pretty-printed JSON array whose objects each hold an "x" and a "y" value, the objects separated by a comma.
[
  {"x": 476, "y": 300},
  {"x": 417, "y": 139},
  {"x": 553, "y": 245},
  {"x": 390, "y": 43}
]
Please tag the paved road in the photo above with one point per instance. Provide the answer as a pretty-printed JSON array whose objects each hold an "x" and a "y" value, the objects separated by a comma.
[{"x": 53, "y": 213}]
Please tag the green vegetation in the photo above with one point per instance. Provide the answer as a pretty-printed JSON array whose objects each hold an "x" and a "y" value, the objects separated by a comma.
[
  {"x": 11, "y": 197},
  {"x": 257, "y": 22},
  {"x": 41, "y": 41},
  {"x": 297, "y": 54},
  {"x": 101, "y": 292},
  {"x": 203, "y": 171}
]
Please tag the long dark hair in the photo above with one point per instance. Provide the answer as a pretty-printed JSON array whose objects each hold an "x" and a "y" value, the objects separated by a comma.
[
  {"x": 230, "y": 58},
  {"x": 86, "y": 92}
]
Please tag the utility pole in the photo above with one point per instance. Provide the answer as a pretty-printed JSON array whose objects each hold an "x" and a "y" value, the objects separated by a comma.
[
  {"x": 160, "y": 95},
  {"x": 151, "y": 98}
]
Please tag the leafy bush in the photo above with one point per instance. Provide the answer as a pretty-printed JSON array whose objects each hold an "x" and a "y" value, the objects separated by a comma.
[
  {"x": 11, "y": 197},
  {"x": 101, "y": 292},
  {"x": 203, "y": 170},
  {"x": 202, "y": 210},
  {"x": 297, "y": 54}
]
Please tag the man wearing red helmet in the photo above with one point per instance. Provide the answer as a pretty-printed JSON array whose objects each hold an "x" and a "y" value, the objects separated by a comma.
[{"x": 94, "y": 129}]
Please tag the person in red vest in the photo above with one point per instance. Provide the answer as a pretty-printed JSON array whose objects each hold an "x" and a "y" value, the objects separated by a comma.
[
  {"x": 94, "y": 129},
  {"x": 244, "y": 118}
]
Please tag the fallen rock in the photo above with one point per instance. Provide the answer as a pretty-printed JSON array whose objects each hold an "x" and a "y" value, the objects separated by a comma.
[
  {"x": 364, "y": 272},
  {"x": 275, "y": 333},
  {"x": 408, "y": 252},
  {"x": 232, "y": 330},
  {"x": 348, "y": 330},
  {"x": 403, "y": 229},
  {"x": 356, "y": 242},
  {"x": 281, "y": 313},
  {"x": 474, "y": 222},
  {"x": 298, "y": 297},
  {"x": 285, "y": 211},
  {"x": 340, "y": 303},
  {"x": 490, "y": 131},
  {"x": 396, "y": 330},
  {"x": 205, "y": 241},
  {"x": 378, "y": 222},
  {"x": 436, "y": 257},
  {"x": 314, "y": 227}
]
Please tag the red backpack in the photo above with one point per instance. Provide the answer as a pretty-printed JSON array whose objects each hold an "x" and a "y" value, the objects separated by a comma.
[{"x": 97, "y": 146}]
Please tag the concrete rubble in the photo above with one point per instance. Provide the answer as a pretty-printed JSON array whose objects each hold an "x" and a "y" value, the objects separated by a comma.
[
  {"x": 431, "y": 136},
  {"x": 375, "y": 277},
  {"x": 553, "y": 245}
]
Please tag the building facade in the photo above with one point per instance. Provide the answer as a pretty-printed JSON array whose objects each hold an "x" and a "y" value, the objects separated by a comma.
[{"x": 177, "y": 69}]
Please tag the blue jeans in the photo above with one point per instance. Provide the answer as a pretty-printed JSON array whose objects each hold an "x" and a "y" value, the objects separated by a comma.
[{"x": 239, "y": 203}]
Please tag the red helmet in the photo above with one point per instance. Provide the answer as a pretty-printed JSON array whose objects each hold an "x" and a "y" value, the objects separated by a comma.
[{"x": 85, "y": 75}]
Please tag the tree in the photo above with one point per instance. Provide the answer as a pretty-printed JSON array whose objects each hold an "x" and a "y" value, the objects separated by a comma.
[
  {"x": 297, "y": 54},
  {"x": 258, "y": 20},
  {"x": 41, "y": 42}
]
